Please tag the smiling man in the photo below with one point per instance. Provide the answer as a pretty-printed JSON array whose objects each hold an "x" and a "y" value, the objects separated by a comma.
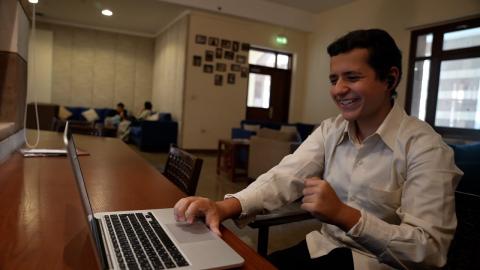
[{"x": 381, "y": 183}]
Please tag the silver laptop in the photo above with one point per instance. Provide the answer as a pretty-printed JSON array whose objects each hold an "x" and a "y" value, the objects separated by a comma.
[{"x": 149, "y": 239}]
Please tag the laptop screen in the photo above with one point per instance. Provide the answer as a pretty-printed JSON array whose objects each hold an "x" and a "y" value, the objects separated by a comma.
[{"x": 73, "y": 157}]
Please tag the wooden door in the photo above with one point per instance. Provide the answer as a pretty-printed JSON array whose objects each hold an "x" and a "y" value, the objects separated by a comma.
[{"x": 269, "y": 94}]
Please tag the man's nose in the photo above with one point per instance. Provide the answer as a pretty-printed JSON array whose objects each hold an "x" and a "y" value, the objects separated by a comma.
[{"x": 340, "y": 87}]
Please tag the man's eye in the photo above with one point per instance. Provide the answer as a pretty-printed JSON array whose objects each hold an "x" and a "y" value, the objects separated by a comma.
[
  {"x": 353, "y": 78},
  {"x": 333, "y": 81}
]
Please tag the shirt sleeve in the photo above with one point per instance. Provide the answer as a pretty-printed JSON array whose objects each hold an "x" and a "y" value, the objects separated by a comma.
[
  {"x": 283, "y": 183},
  {"x": 427, "y": 214}
]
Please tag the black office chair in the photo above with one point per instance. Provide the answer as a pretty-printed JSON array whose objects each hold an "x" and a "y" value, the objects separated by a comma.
[
  {"x": 285, "y": 214},
  {"x": 183, "y": 169}
]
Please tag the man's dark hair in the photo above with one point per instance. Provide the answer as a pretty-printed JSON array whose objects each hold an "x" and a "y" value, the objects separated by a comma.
[
  {"x": 383, "y": 53},
  {"x": 147, "y": 105},
  {"x": 121, "y": 105}
]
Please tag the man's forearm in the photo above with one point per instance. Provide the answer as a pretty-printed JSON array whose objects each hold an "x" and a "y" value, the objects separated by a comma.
[{"x": 229, "y": 208}]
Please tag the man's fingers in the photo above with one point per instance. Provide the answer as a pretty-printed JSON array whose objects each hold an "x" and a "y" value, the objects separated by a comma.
[
  {"x": 214, "y": 225},
  {"x": 180, "y": 208},
  {"x": 313, "y": 181},
  {"x": 307, "y": 207},
  {"x": 307, "y": 199},
  {"x": 194, "y": 209}
]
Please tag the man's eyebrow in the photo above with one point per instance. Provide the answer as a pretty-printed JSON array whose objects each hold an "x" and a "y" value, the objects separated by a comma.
[
  {"x": 346, "y": 73},
  {"x": 351, "y": 72}
]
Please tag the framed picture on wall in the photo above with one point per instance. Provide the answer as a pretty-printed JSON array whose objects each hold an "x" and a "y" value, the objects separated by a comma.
[
  {"x": 231, "y": 78},
  {"x": 200, "y": 39},
  {"x": 218, "y": 53},
  {"x": 229, "y": 55},
  {"x": 208, "y": 68},
  {"x": 245, "y": 47},
  {"x": 241, "y": 59},
  {"x": 226, "y": 44},
  {"x": 208, "y": 56},
  {"x": 213, "y": 41},
  {"x": 218, "y": 79},
  {"x": 222, "y": 67},
  {"x": 197, "y": 60},
  {"x": 235, "y": 67},
  {"x": 244, "y": 72},
  {"x": 235, "y": 46}
]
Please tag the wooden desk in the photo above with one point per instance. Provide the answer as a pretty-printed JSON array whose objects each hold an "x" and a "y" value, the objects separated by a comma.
[{"x": 42, "y": 223}]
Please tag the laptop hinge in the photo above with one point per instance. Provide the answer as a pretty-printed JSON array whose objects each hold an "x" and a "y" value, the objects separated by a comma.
[{"x": 95, "y": 224}]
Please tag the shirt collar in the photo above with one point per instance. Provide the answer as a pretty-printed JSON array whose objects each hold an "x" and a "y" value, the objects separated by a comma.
[{"x": 387, "y": 131}]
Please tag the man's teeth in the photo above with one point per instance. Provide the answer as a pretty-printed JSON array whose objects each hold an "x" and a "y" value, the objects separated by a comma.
[{"x": 346, "y": 101}]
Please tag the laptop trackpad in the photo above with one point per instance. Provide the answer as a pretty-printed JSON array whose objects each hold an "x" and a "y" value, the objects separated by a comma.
[{"x": 188, "y": 233}]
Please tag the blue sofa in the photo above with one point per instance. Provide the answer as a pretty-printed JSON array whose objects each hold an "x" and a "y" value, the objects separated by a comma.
[
  {"x": 77, "y": 119},
  {"x": 154, "y": 135}
]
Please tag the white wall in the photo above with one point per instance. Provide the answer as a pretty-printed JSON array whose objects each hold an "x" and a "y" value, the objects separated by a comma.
[
  {"x": 95, "y": 68},
  {"x": 396, "y": 17},
  {"x": 40, "y": 67},
  {"x": 211, "y": 111},
  {"x": 169, "y": 70}
]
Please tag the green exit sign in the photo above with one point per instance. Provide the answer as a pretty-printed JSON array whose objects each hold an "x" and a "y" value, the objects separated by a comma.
[{"x": 282, "y": 40}]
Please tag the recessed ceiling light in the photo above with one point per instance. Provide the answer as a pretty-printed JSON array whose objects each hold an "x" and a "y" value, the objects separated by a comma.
[
  {"x": 33, "y": 1},
  {"x": 107, "y": 12}
]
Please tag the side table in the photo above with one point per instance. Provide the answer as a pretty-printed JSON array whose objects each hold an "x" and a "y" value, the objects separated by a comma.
[{"x": 232, "y": 157}]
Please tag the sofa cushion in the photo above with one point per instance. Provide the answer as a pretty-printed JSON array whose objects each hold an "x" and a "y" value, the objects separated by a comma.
[
  {"x": 467, "y": 158},
  {"x": 164, "y": 117},
  {"x": 104, "y": 112},
  {"x": 277, "y": 135},
  {"x": 76, "y": 113},
  {"x": 251, "y": 127},
  {"x": 152, "y": 117},
  {"x": 64, "y": 113},
  {"x": 90, "y": 115}
]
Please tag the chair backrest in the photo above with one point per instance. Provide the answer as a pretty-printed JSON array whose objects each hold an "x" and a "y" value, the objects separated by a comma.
[
  {"x": 464, "y": 251},
  {"x": 183, "y": 169}
]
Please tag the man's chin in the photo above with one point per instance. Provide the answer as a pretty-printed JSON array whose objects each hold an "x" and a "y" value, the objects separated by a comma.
[{"x": 350, "y": 116}]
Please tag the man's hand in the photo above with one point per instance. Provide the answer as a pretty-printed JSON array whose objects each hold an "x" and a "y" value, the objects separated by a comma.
[
  {"x": 190, "y": 208},
  {"x": 321, "y": 200}
]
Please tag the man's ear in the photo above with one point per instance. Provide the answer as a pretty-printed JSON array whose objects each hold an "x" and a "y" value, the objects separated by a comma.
[{"x": 392, "y": 78}]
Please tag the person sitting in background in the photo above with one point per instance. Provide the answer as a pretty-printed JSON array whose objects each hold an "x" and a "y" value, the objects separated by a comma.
[
  {"x": 115, "y": 119},
  {"x": 146, "y": 111}
]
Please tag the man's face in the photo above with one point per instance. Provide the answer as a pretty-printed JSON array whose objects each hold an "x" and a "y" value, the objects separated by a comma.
[{"x": 355, "y": 89}]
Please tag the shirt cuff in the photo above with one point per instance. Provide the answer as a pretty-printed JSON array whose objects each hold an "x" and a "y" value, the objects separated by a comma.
[
  {"x": 372, "y": 233},
  {"x": 251, "y": 205}
]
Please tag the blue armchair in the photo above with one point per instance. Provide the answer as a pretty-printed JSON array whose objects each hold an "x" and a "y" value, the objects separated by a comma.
[{"x": 155, "y": 135}]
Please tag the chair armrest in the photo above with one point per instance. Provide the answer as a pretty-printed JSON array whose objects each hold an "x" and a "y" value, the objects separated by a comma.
[{"x": 286, "y": 214}]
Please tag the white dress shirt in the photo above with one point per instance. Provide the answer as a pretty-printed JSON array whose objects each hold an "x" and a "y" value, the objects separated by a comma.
[{"x": 402, "y": 179}]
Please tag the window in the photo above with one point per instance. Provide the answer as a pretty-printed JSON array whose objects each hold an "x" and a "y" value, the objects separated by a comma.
[
  {"x": 444, "y": 78},
  {"x": 267, "y": 58},
  {"x": 259, "y": 90}
]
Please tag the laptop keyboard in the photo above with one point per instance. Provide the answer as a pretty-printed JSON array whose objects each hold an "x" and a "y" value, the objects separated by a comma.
[{"x": 141, "y": 243}]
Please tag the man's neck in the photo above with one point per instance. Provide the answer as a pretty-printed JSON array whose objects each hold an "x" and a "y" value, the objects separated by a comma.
[{"x": 366, "y": 128}]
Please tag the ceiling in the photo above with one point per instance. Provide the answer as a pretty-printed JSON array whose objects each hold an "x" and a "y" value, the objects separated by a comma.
[
  {"x": 148, "y": 17},
  {"x": 313, "y": 6}
]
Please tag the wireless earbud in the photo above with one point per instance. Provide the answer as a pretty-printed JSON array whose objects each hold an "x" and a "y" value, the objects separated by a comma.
[{"x": 390, "y": 81}]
